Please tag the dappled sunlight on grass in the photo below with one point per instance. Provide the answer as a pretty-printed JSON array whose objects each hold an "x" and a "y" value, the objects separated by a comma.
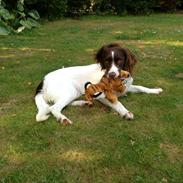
[
  {"x": 27, "y": 49},
  {"x": 7, "y": 56},
  {"x": 16, "y": 159},
  {"x": 152, "y": 42},
  {"x": 89, "y": 50},
  {"x": 78, "y": 155},
  {"x": 9, "y": 52},
  {"x": 159, "y": 42},
  {"x": 117, "y": 32},
  {"x": 12, "y": 157}
]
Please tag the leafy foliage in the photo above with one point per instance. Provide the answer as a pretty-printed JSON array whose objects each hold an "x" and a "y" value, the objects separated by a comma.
[
  {"x": 168, "y": 6},
  {"x": 17, "y": 15},
  {"x": 15, "y": 20},
  {"x": 49, "y": 9}
]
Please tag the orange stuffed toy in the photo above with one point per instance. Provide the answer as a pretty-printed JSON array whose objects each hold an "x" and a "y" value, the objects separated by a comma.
[{"x": 108, "y": 86}]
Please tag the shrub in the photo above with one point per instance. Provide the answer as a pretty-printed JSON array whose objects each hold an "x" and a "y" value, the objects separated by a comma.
[
  {"x": 103, "y": 7},
  {"x": 49, "y": 9},
  {"x": 168, "y": 6},
  {"x": 76, "y": 8},
  {"x": 133, "y": 7},
  {"x": 15, "y": 17}
]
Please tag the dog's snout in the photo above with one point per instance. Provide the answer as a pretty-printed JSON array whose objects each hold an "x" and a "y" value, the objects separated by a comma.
[{"x": 112, "y": 74}]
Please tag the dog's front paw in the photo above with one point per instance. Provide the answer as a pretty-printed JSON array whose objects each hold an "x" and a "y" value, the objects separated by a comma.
[
  {"x": 65, "y": 121},
  {"x": 158, "y": 91},
  {"x": 129, "y": 116}
]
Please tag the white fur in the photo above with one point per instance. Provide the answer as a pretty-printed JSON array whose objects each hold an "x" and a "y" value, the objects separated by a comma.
[
  {"x": 65, "y": 85},
  {"x": 113, "y": 67}
]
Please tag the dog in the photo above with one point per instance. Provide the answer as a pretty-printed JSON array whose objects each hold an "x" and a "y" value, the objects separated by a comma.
[
  {"x": 61, "y": 87},
  {"x": 107, "y": 87}
]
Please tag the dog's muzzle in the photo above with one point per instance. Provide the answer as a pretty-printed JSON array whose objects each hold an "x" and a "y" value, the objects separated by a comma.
[{"x": 112, "y": 75}]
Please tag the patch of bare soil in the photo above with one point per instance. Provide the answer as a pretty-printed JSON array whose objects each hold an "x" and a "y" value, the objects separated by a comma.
[
  {"x": 179, "y": 75},
  {"x": 174, "y": 152}
]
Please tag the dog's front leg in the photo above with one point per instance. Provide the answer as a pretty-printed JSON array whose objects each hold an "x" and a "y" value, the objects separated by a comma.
[
  {"x": 118, "y": 107},
  {"x": 142, "y": 89}
]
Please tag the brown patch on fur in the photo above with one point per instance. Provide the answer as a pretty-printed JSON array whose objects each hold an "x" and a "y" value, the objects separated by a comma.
[
  {"x": 131, "y": 60},
  {"x": 66, "y": 122}
]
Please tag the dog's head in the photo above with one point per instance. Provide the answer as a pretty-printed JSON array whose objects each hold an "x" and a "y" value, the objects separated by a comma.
[{"x": 113, "y": 58}]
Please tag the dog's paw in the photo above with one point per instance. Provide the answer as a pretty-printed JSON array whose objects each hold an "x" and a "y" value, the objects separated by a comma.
[
  {"x": 158, "y": 91},
  {"x": 40, "y": 118},
  {"x": 129, "y": 116},
  {"x": 65, "y": 121}
]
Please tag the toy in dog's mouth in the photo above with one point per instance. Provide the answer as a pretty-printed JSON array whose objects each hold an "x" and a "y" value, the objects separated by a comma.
[
  {"x": 107, "y": 87},
  {"x": 95, "y": 95},
  {"x": 122, "y": 79}
]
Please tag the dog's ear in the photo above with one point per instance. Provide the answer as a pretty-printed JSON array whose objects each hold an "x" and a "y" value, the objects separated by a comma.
[
  {"x": 99, "y": 56},
  {"x": 130, "y": 61}
]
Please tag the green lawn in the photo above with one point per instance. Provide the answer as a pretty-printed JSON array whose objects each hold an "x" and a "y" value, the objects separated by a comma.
[{"x": 99, "y": 146}]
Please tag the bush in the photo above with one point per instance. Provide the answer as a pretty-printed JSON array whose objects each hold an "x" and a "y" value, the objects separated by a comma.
[
  {"x": 74, "y": 8},
  {"x": 15, "y": 17},
  {"x": 52, "y": 9},
  {"x": 103, "y": 7},
  {"x": 49, "y": 9},
  {"x": 168, "y": 6},
  {"x": 133, "y": 7},
  {"x": 137, "y": 7},
  {"x": 77, "y": 8}
]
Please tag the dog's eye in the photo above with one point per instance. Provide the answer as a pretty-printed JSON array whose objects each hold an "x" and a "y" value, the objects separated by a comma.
[
  {"x": 107, "y": 62},
  {"x": 119, "y": 62}
]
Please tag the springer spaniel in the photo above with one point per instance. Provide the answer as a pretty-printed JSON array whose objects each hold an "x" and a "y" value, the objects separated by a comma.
[{"x": 63, "y": 86}]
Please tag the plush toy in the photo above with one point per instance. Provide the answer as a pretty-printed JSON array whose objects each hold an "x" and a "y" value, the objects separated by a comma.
[{"x": 106, "y": 86}]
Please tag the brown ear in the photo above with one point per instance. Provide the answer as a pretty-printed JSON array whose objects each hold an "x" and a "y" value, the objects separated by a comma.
[
  {"x": 130, "y": 61},
  {"x": 100, "y": 55}
]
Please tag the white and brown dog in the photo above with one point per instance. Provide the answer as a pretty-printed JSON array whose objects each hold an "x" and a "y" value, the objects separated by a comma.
[{"x": 63, "y": 86}]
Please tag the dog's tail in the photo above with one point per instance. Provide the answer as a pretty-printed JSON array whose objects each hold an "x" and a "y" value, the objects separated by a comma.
[{"x": 43, "y": 107}]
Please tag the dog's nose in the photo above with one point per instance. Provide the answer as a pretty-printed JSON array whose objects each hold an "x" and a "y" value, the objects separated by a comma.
[{"x": 112, "y": 74}]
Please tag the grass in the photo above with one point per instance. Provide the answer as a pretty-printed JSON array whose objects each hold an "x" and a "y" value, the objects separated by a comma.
[{"x": 99, "y": 146}]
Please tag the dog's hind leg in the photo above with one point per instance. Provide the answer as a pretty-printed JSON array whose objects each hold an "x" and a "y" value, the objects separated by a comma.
[
  {"x": 43, "y": 108},
  {"x": 57, "y": 108}
]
